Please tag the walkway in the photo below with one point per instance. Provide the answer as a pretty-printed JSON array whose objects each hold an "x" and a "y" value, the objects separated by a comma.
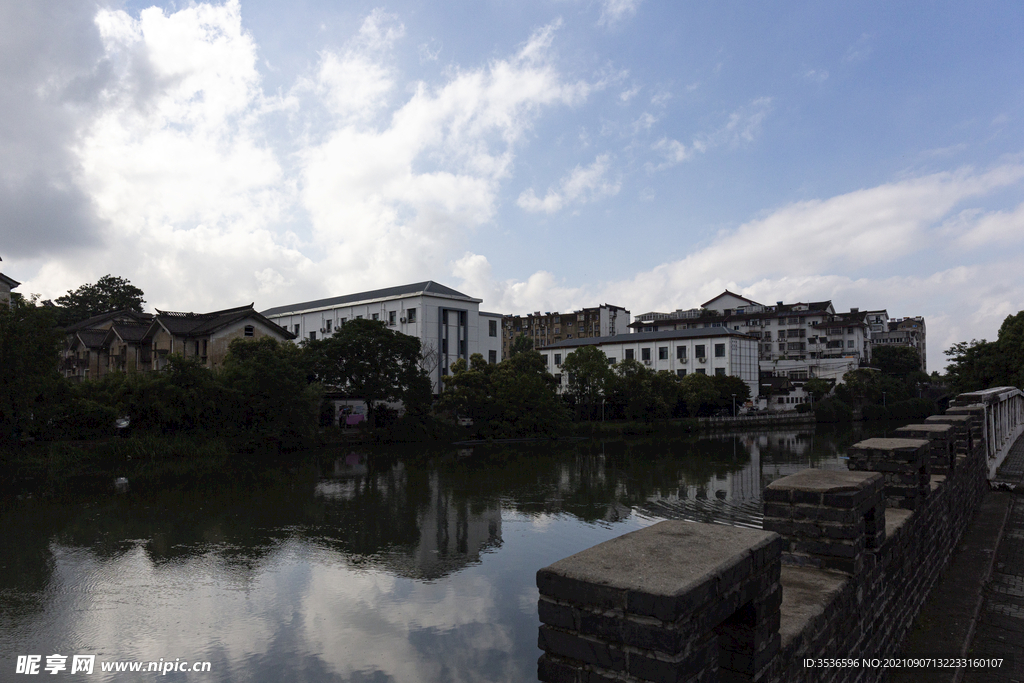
[{"x": 977, "y": 609}]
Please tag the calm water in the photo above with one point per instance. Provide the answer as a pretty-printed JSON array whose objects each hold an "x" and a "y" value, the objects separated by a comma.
[{"x": 388, "y": 566}]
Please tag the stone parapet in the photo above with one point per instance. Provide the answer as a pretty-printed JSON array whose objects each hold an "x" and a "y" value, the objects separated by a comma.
[
  {"x": 672, "y": 602},
  {"x": 904, "y": 463},
  {"x": 826, "y": 518},
  {"x": 962, "y": 439},
  {"x": 942, "y": 457}
]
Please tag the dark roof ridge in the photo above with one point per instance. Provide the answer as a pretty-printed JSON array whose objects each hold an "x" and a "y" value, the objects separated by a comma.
[{"x": 201, "y": 316}]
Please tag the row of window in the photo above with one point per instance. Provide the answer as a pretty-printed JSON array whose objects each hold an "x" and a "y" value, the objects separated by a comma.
[{"x": 699, "y": 350}]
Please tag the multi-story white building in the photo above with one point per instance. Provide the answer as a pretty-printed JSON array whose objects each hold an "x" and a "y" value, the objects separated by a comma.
[
  {"x": 449, "y": 324},
  {"x": 708, "y": 351},
  {"x": 904, "y": 332}
]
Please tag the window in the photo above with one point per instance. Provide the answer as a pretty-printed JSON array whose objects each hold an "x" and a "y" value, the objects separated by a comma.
[
  {"x": 204, "y": 347},
  {"x": 720, "y": 372},
  {"x": 719, "y": 350},
  {"x": 391, "y": 317},
  {"x": 328, "y": 325},
  {"x": 794, "y": 321},
  {"x": 782, "y": 347},
  {"x": 681, "y": 353},
  {"x": 701, "y": 371},
  {"x": 249, "y": 331},
  {"x": 611, "y": 360},
  {"x": 410, "y": 314},
  {"x": 558, "y": 360},
  {"x": 341, "y": 321},
  {"x": 782, "y": 334},
  {"x": 629, "y": 354},
  {"x": 680, "y": 373},
  {"x": 312, "y": 336},
  {"x": 645, "y": 353},
  {"x": 558, "y": 378},
  {"x": 545, "y": 357},
  {"x": 197, "y": 348},
  {"x": 699, "y": 351},
  {"x": 849, "y": 343},
  {"x": 558, "y": 330},
  {"x": 296, "y": 330},
  {"x": 662, "y": 353},
  {"x": 492, "y": 356},
  {"x": 359, "y": 317},
  {"x": 492, "y": 328},
  {"x": 376, "y": 316}
]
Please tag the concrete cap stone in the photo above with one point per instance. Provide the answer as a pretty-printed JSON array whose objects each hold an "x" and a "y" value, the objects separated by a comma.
[
  {"x": 885, "y": 444},
  {"x": 938, "y": 429},
  {"x": 670, "y": 559},
  {"x": 826, "y": 481},
  {"x": 948, "y": 419}
]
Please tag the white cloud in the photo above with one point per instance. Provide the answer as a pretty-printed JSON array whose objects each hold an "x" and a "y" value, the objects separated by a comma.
[
  {"x": 742, "y": 126},
  {"x": 614, "y": 11},
  {"x": 581, "y": 185},
  {"x": 975, "y": 229},
  {"x": 860, "y": 50},
  {"x": 816, "y": 75}
]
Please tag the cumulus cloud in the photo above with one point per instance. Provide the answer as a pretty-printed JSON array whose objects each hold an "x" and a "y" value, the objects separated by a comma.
[{"x": 583, "y": 184}]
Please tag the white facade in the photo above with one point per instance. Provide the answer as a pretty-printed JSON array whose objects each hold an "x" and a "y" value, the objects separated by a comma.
[
  {"x": 714, "y": 351},
  {"x": 449, "y": 324}
]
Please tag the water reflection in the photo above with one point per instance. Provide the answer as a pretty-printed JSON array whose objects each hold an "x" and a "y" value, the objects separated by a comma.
[{"x": 380, "y": 566}]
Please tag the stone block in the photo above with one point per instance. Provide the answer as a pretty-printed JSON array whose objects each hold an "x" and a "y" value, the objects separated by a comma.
[
  {"x": 905, "y": 462},
  {"x": 837, "y": 527},
  {"x": 943, "y": 444}
]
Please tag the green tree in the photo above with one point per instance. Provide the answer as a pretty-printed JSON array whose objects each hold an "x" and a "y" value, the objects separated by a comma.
[
  {"x": 520, "y": 344},
  {"x": 526, "y": 401},
  {"x": 467, "y": 390},
  {"x": 977, "y": 365},
  {"x": 818, "y": 388},
  {"x": 109, "y": 293},
  {"x": 367, "y": 359},
  {"x": 30, "y": 347},
  {"x": 699, "y": 393},
  {"x": 268, "y": 384},
  {"x": 589, "y": 377},
  {"x": 726, "y": 386},
  {"x": 896, "y": 360}
]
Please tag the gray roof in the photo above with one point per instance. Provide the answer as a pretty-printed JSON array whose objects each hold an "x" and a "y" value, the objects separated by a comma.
[
  {"x": 699, "y": 333},
  {"x": 124, "y": 315},
  {"x": 202, "y": 324},
  {"x": 428, "y": 287},
  {"x": 10, "y": 282}
]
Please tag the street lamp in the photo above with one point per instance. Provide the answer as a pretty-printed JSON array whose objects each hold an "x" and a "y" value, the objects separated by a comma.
[{"x": 734, "y": 405}]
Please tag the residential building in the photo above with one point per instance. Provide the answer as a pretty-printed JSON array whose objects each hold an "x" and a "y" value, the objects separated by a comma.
[
  {"x": 6, "y": 286},
  {"x": 545, "y": 329},
  {"x": 708, "y": 351},
  {"x": 448, "y": 323},
  {"x": 131, "y": 341},
  {"x": 904, "y": 332}
]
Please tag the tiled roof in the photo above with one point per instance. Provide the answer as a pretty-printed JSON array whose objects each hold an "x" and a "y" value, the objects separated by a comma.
[
  {"x": 10, "y": 282},
  {"x": 727, "y": 292},
  {"x": 92, "y": 338},
  {"x": 131, "y": 332},
  {"x": 110, "y": 315},
  {"x": 428, "y": 287},
  {"x": 637, "y": 337},
  {"x": 202, "y": 324}
]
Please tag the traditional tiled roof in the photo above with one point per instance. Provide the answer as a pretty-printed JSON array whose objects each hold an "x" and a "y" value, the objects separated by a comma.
[
  {"x": 727, "y": 292},
  {"x": 131, "y": 332},
  {"x": 10, "y": 282},
  {"x": 428, "y": 287},
  {"x": 203, "y": 324},
  {"x": 124, "y": 315},
  {"x": 92, "y": 339}
]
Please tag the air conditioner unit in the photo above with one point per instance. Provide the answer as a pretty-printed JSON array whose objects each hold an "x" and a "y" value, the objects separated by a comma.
[
  {"x": 404, "y": 320},
  {"x": 323, "y": 330},
  {"x": 702, "y": 359},
  {"x": 647, "y": 362}
]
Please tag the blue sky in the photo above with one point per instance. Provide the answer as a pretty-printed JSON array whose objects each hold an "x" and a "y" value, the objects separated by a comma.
[{"x": 539, "y": 155}]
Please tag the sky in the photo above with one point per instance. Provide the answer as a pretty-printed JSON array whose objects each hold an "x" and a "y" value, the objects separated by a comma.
[{"x": 538, "y": 154}]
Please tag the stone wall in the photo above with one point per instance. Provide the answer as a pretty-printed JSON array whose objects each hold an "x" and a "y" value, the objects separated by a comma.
[{"x": 841, "y": 569}]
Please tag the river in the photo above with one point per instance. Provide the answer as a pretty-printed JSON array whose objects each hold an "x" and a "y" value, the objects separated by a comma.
[{"x": 385, "y": 565}]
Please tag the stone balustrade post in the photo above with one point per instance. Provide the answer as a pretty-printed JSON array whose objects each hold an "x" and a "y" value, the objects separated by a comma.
[
  {"x": 904, "y": 464},
  {"x": 962, "y": 438},
  {"x": 942, "y": 458},
  {"x": 827, "y": 518},
  {"x": 676, "y": 601}
]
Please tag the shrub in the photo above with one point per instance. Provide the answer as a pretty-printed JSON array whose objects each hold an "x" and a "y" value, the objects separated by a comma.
[{"x": 832, "y": 410}]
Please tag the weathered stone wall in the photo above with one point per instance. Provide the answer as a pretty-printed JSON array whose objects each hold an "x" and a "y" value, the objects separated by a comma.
[{"x": 854, "y": 556}]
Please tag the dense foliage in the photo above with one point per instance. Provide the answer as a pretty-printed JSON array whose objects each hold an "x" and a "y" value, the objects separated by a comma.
[
  {"x": 109, "y": 293},
  {"x": 29, "y": 353},
  {"x": 977, "y": 365}
]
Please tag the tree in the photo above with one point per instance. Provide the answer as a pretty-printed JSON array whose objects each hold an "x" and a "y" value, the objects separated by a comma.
[
  {"x": 369, "y": 360},
  {"x": 818, "y": 388},
  {"x": 29, "y": 357},
  {"x": 699, "y": 393},
  {"x": 977, "y": 365},
  {"x": 726, "y": 386},
  {"x": 896, "y": 360},
  {"x": 110, "y": 293},
  {"x": 589, "y": 376},
  {"x": 520, "y": 344}
]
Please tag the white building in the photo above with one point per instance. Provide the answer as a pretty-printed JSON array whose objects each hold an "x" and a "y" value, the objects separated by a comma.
[
  {"x": 7, "y": 285},
  {"x": 708, "y": 351},
  {"x": 449, "y": 324}
]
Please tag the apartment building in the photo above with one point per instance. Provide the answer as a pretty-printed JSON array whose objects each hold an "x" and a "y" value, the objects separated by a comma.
[
  {"x": 708, "y": 351},
  {"x": 544, "y": 329},
  {"x": 448, "y": 323},
  {"x": 904, "y": 332}
]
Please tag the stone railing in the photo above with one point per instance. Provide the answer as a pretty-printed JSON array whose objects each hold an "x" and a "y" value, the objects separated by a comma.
[
  {"x": 840, "y": 570},
  {"x": 999, "y": 414}
]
